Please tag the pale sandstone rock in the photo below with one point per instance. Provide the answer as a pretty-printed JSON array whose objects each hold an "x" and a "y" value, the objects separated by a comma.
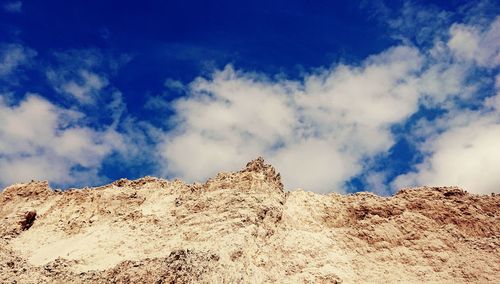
[{"x": 243, "y": 227}]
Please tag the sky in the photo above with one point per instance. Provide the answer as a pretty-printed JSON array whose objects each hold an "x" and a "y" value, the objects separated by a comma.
[{"x": 340, "y": 96}]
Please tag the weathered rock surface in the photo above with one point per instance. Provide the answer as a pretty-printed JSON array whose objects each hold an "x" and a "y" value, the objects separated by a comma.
[{"x": 243, "y": 227}]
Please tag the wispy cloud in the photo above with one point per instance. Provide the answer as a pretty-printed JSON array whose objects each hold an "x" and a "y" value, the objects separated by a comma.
[
  {"x": 77, "y": 75},
  {"x": 13, "y": 56},
  {"x": 13, "y": 7},
  {"x": 83, "y": 85}
]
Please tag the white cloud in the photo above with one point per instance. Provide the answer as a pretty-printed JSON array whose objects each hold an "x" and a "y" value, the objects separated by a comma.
[
  {"x": 461, "y": 147},
  {"x": 84, "y": 86},
  {"x": 329, "y": 126},
  {"x": 83, "y": 91},
  {"x": 471, "y": 43},
  {"x": 68, "y": 146},
  {"x": 83, "y": 75},
  {"x": 467, "y": 154},
  {"x": 377, "y": 182},
  {"x": 174, "y": 85},
  {"x": 13, "y": 7},
  {"x": 494, "y": 101},
  {"x": 416, "y": 23},
  {"x": 39, "y": 140},
  {"x": 316, "y": 131},
  {"x": 443, "y": 81},
  {"x": 12, "y": 56}
]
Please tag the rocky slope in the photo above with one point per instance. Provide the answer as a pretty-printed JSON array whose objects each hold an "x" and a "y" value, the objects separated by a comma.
[{"x": 243, "y": 227}]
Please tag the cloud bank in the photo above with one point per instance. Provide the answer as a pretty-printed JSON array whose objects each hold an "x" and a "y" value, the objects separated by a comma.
[
  {"x": 330, "y": 126},
  {"x": 317, "y": 132}
]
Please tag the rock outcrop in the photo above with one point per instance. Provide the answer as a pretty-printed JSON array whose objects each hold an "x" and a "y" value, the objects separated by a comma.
[{"x": 243, "y": 227}]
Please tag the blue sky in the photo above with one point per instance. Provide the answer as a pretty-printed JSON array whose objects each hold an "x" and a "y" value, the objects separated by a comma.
[{"x": 340, "y": 96}]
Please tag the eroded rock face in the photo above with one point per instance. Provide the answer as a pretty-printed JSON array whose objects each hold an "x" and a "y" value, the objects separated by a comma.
[{"x": 243, "y": 227}]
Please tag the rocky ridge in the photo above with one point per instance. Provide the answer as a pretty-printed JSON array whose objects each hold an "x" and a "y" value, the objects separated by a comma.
[{"x": 243, "y": 227}]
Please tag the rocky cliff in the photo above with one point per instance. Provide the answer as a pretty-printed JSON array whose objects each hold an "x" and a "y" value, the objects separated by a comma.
[{"x": 243, "y": 227}]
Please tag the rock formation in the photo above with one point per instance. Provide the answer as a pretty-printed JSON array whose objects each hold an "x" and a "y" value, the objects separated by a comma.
[{"x": 243, "y": 227}]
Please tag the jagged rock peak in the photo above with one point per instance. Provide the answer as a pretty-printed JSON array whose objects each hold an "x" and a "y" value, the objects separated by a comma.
[
  {"x": 259, "y": 166},
  {"x": 255, "y": 165},
  {"x": 140, "y": 182},
  {"x": 33, "y": 188}
]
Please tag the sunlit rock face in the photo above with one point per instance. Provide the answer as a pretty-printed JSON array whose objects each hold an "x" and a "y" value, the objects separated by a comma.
[{"x": 243, "y": 227}]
